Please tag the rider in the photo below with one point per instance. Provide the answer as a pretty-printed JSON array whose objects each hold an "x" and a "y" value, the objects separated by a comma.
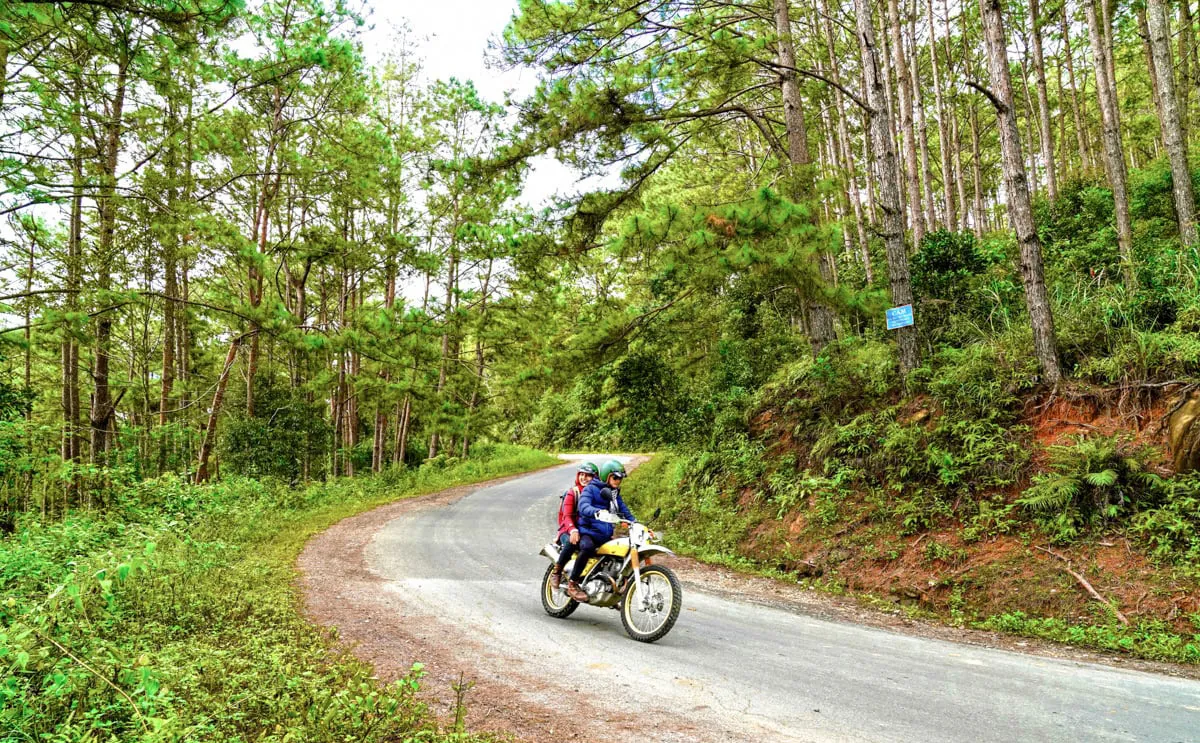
[
  {"x": 602, "y": 496},
  {"x": 568, "y": 532}
]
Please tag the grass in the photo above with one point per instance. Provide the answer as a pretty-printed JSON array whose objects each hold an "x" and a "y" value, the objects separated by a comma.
[{"x": 174, "y": 617}]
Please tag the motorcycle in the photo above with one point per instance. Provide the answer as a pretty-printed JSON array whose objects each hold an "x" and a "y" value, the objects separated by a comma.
[{"x": 622, "y": 576}]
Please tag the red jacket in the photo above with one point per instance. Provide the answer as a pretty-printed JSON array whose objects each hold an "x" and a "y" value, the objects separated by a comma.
[{"x": 566, "y": 512}]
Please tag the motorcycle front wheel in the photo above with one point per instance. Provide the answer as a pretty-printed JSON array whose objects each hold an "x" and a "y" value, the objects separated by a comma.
[
  {"x": 556, "y": 602},
  {"x": 649, "y": 609}
]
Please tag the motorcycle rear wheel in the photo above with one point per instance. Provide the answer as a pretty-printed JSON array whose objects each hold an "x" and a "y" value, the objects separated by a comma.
[
  {"x": 556, "y": 602},
  {"x": 649, "y": 617}
]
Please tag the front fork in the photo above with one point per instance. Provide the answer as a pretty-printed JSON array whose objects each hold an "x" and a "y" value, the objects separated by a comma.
[{"x": 637, "y": 572}]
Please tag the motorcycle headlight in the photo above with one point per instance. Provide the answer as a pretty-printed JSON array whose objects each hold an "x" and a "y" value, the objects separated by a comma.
[{"x": 637, "y": 534}]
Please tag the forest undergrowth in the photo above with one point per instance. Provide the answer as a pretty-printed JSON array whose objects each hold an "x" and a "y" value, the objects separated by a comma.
[{"x": 172, "y": 615}]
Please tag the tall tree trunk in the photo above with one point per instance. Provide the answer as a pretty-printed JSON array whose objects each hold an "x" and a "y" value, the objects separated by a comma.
[
  {"x": 904, "y": 83},
  {"x": 446, "y": 344},
  {"x": 1020, "y": 207},
  {"x": 480, "y": 362},
  {"x": 214, "y": 413},
  {"x": 1064, "y": 152},
  {"x": 957, "y": 166},
  {"x": 1030, "y": 122},
  {"x": 1172, "y": 128},
  {"x": 884, "y": 152},
  {"x": 922, "y": 127},
  {"x": 821, "y": 331},
  {"x": 977, "y": 177},
  {"x": 845, "y": 155},
  {"x": 71, "y": 444},
  {"x": 1188, "y": 32},
  {"x": 1085, "y": 155},
  {"x": 404, "y": 422},
  {"x": 1043, "y": 99},
  {"x": 102, "y": 405},
  {"x": 1155, "y": 87},
  {"x": 170, "y": 285},
  {"x": 262, "y": 218},
  {"x": 949, "y": 218},
  {"x": 1114, "y": 157},
  {"x": 1183, "y": 85}
]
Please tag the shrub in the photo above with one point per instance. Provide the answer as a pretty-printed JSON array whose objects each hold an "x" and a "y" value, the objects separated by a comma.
[
  {"x": 1089, "y": 484},
  {"x": 286, "y": 431},
  {"x": 1172, "y": 530},
  {"x": 944, "y": 265}
]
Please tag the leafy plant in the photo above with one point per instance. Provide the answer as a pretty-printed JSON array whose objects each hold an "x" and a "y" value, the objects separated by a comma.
[{"x": 1088, "y": 484}]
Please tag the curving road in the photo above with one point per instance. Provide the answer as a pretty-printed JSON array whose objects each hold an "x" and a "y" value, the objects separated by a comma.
[{"x": 737, "y": 671}]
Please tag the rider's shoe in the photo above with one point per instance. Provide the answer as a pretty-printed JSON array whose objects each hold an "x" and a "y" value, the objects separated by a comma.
[
  {"x": 556, "y": 577},
  {"x": 577, "y": 593}
]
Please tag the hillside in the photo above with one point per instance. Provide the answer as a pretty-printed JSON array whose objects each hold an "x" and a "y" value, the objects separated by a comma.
[{"x": 1070, "y": 523}]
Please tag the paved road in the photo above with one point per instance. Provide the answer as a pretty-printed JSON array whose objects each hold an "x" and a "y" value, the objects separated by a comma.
[{"x": 745, "y": 672}]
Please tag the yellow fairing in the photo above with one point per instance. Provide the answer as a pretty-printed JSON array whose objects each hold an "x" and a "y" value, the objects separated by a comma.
[{"x": 616, "y": 547}]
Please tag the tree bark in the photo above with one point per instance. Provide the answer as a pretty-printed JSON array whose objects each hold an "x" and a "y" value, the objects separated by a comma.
[
  {"x": 214, "y": 413},
  {"x": 821, "y": 327},
  {"x": 845, "y": 155},
  {"x": 446, "y": 345},
  {"x": 884, "y": 152},
  {"x": 102, "y": 405},
  {"x": 949, "y": 218},
  {"x": 71, "y": 444},
  {"x": 1172, "y": 128},
  {"x": 1155, "y": 86},
  {"x": 1085, "y": 155},
  {"x": 1030, "y": 122},
  {"x": 977, "y": 177},
  {"x": 1114, "y": 157},
  {"x": 921, "y": 124},
  {"x": 1020, "y": 207},
  {"x": 904, "y": 83},
  {"x": 1183, "y": 86},
  {"x": 1043, "y": 100}
]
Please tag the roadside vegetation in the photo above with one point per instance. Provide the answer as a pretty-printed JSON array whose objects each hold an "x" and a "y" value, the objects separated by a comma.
[
  {"x": 254, "y": 276},
  {"x": 172, "y": 615}
]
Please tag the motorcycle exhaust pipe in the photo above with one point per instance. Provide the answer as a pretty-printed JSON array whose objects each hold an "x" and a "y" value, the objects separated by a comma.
[{"x": 550, "y": 550}]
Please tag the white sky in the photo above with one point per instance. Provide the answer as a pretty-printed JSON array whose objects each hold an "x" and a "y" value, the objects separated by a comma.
[{"x": 452, "y": 40}]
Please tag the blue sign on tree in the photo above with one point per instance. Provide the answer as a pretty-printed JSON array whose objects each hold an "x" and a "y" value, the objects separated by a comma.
[{"x": 899, "y": 317}]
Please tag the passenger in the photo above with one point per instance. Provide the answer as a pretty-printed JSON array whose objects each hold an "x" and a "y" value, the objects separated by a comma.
[
  {"x": 600, "y": 499},
  {"x": 568, "y": 508}
]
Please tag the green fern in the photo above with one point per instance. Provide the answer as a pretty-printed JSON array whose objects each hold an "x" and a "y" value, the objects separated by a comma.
[
  {"x": 1090, "y": 482},
  {"x": 1104, "y": 479}
]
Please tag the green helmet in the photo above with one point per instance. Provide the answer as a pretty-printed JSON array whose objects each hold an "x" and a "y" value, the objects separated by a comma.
[
  {"x": 612, "y": 467},
  {"x": 588, "y": 469}
]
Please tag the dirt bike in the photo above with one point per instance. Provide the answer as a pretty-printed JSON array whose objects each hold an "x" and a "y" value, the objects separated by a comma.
[{"x": 622, "y": 576}]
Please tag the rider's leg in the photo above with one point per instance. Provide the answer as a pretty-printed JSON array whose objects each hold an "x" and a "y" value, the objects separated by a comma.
[
  {"x": 565, "y": 550},
  {"x": 587, "y": 550}
]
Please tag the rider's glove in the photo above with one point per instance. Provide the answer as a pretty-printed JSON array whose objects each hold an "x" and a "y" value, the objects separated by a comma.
[{"x": 606, "y": 517}]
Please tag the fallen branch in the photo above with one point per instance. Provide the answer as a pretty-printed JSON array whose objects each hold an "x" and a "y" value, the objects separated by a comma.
[
  {"x": 1074, "y": 423},
  {"x": 1087, "y": 586},
  {"x": 136, "y": 710}
]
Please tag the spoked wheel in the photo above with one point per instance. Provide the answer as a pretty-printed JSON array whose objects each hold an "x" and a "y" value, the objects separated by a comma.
[
  {"x": 555, "y": 601},
  {"x": 650, "y": 608}
]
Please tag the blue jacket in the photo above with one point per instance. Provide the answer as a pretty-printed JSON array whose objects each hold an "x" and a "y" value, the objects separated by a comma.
[{"x": 597, "y": 496}]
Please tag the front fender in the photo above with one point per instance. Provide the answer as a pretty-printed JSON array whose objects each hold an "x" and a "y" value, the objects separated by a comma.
[{"x": 654, "y": 549}]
